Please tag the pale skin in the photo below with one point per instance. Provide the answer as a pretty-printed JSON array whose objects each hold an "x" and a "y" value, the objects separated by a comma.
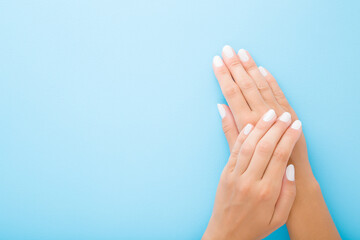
[
  {"x": 251, "y": 91},
  {"x": 253, "y": 197}
]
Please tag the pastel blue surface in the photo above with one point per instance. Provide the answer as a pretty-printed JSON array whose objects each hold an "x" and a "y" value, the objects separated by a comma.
[{"x": 109, "y": 126}]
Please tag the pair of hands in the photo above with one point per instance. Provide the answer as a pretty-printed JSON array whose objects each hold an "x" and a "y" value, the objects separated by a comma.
[{"x": 257, "y": 188}]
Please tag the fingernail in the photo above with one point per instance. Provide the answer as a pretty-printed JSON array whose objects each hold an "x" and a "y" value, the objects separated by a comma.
[
  {"x": 248, "y": 128},
  {"x": 228, "y": 51},
  {"x": 222, "y": 111},
  {"x": 296, "y": 125},
  {"x": 263, "y": 71},
  {"x": 218, "y": 62},
  {"x": 243, "y": 55},
  {"x": 285, "y": 117},
  {"x": 269, "y": 115},
  {"x": 290, "y": 172}
]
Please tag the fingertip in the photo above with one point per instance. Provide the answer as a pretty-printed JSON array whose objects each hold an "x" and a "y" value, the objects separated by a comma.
[
  {"x": 228, "y": 124},
  {"x": 269, "y": 115},
  {"x": 218, "y": 62},
  {"x": 248, "y": 128},
  {"x": 285, "y": 117},
  {"x": 243, "y": 55},
  {"x": 296, "y": 125},
  {"x": 221, "y": 110},
  {"x": 228, "y": 51},
  {"x": 245, "y": 133},
  {"x": 290, "y": 173},
  {"x": 263, "y": 71}
]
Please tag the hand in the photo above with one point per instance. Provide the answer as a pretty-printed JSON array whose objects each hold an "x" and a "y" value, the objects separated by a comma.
[
  {"x": 250, "y": 91},
  {"x": 253, "y": 197}
]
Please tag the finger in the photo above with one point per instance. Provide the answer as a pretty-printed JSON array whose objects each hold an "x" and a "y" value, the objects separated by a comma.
[
  {"x": 254, "y": 72},
  {"x": 248, "y": 147},
  {"x": 238, "y": 143},
  {"x": 228, "y": 124},
  {"x": 281, "y": 155},
  {"x": 243, "y": 80},
  {"x": 267, "y": 145},
  {"x": 275, "y": 88},
  {"x": 231, "y": 91},
  {"x": 286, "y": 198}
]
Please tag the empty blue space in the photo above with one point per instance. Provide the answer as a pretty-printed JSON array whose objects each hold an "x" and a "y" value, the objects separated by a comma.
[{"x": 108, "y": 120}]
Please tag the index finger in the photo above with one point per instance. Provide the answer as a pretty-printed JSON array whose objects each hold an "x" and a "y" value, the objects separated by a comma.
[{"x": 231, "y": 90}]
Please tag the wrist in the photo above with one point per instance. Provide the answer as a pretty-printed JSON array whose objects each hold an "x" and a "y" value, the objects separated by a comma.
[{"x": 211, "y": 233}]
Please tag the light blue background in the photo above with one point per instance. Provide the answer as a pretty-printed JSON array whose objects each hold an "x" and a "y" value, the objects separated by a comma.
[{"x": 109, "y": 126}]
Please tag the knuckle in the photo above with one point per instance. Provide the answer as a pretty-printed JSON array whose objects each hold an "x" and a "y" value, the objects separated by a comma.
[
  {"x": 279, "y": 95},
  {"x": 231, "y": 91},
  {"x": 271, "y": 80},
  {"x": 226, "y": 179},
  {"x": 263, "y": 86},
  {"x": 246, "y": 84},
  {"x": 244, "y": 188},
  {"x": 291, "y": 192},
  {"x": 252, "y": 69},
  {"x": 264, "y": 146},
  {"x": 281, "y": 154},
  {"x": 246, "y": 149},
  {"x": 235, "y": 152},
  {"x": 227, "y": 127},
  {"x": 265, "y": 193},
  {"x": 234, "y": 63}
]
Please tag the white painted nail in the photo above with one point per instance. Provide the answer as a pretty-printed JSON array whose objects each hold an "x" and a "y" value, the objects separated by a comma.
[
  {"x": 222, "y": 111},
  {"x": 285, "y": 117},
  {"x": 296, "y": 125},
  {"x": 243, "y": 55},
  {"x": 248, "y": 128},
  {"x": 269, "y": 115},
  {"x": 263, "y": 71},
  {"x": 290, "y": 172},
  {"x": 228, "y": 51},
  {"x": 218, "y": 62}
]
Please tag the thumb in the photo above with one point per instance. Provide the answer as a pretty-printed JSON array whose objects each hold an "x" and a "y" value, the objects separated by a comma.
[
  {"x": 286, "y": 198},
  {"x": 228, "y": 124}
]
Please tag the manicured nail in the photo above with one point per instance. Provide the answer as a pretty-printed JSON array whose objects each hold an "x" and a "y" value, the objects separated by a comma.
[
  {"x": 248, "y": 128},
  {"x": 296, "y": 125},
  {"x": 269, "y": 115},
  {"x": 243, "y": 55},
  {"x": 218, "y": 62},
  {"x": 290, "y": 173},
  {"x": 263, "y": 71},
  {"x": 228, "y": 51},
  {"x": 285, "y": 117},
  {"x": 222, "y": 111}
]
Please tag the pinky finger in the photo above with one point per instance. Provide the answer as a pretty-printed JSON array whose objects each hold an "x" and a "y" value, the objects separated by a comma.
[{"x": 286, "y": 199}]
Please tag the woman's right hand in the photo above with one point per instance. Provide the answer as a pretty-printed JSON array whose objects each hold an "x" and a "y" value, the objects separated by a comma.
[{"x": 253, "y": 197}]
